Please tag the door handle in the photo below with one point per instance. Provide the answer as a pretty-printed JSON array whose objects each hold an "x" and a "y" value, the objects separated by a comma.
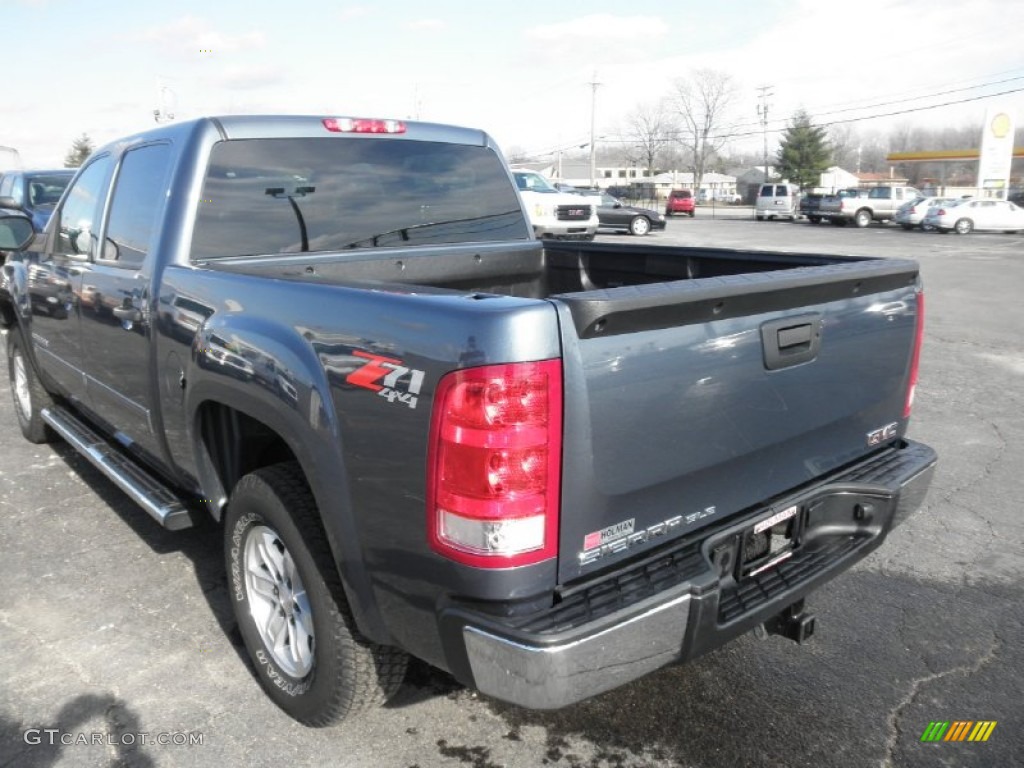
[{"x": 791, "y": 341}]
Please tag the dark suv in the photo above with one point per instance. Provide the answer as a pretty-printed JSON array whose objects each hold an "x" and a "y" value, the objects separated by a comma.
[
  {"x": 34, "y": 192},
  {"x": 680, "y": 201}
]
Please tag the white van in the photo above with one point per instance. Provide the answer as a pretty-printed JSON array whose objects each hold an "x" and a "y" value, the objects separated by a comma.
[{"x": 780, "y": 199}]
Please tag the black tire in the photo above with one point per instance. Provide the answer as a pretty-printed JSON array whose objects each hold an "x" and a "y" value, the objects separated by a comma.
[
  {"x": 862, "y": 218},
  {"x": 343, "y": 673},
  {"x": 963, "y": 226},
  {"x": 692, "y": 214},
  {"x": 759, "y": 218},
  {"x": 907, "y": 227},
  {"x": 814, "y": 219},
  {"x": 639, "y": 226},
  {"x": 29, "y": 395},
  {"x": 668, "y": 214}
]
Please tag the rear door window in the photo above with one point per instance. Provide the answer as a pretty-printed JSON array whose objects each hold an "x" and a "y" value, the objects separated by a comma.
[{"x": 139, "y": 194}]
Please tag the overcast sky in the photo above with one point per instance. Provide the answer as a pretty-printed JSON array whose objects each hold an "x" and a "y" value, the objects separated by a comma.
[{"x": 519, "y": 70}]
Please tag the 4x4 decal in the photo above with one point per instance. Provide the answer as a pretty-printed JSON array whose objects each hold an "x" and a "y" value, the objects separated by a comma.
[{"x": 384, "y": 376}]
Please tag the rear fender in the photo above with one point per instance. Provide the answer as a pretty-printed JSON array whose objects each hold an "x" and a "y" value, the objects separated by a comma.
[{"x": 279, "y": 382}]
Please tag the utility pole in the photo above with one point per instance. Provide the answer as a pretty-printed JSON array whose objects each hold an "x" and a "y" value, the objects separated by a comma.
[
  {"x": 763, "y": 94},
  {"x": 593, "y": 146}
]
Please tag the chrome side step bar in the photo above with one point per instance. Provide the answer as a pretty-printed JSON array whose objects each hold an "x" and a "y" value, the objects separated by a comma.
[{"x": 144, "y": 489}]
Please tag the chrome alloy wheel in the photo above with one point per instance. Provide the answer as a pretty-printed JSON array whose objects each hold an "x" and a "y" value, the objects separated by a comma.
[
  {"x": 278, "y": 602},
  {"x": 22, "y": 394}
]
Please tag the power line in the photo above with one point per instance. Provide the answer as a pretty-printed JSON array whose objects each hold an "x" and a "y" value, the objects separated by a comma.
[
  {"x": 905, "y": 99},
  {"x": 748, "y": 134}
]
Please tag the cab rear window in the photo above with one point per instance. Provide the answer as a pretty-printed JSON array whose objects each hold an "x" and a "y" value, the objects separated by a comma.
[{"x": 270, "y": 196}]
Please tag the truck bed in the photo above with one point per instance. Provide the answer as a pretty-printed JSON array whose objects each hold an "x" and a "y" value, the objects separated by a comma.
[{"x": 698, "y": 382}]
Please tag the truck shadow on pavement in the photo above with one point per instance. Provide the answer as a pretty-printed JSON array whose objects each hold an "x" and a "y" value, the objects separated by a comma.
[
  {"x": 203, "y": 546},
  {"x": 40, "y": 745}
]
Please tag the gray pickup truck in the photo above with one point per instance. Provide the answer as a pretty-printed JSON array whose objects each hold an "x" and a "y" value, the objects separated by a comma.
[
  {"x": 549, "y": 468},
  {"x": 873, "y": 204}
]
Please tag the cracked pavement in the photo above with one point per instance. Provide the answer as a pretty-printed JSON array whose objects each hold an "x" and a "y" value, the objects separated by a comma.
[{"x": 110, "y": 625}]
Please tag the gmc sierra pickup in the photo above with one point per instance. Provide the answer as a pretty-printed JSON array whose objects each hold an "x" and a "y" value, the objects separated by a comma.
[{"x": 547, "y": 467}]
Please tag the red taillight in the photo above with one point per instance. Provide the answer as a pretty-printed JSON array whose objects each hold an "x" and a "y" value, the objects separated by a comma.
[
  {"x": 915, "y": 356},
  {"x": 941, "y": 212},
  {"x": 362, "y": 125},
  {"x": 494, "y": 464}
]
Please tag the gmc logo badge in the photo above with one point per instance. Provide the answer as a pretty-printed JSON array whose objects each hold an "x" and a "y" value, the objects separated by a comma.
[{"x": 879, "y": 436}]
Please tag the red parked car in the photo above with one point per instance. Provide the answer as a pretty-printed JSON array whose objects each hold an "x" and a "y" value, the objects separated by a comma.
[{"x": 680, "y": 201}]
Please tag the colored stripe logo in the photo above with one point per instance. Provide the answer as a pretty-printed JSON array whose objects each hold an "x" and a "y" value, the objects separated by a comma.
[{"x": 958, "y": 730}]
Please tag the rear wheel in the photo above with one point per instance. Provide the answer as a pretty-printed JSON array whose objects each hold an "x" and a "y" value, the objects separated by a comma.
[
  {"x": 907, "y": 227},
  {"x": 814, "y": 219},
  {"x": 29, "y": 396},
  {"x": 692, "y": 214},
  {"x": 862, "y": 218},
  {"x": 291, "y": 608},
  {"x": 963, "y": 226},
  {"x": 639, "y": 226},
  {"x": 760, "y": 218}
]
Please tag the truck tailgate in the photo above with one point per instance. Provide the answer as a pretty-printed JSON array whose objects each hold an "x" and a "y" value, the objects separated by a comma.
[{"x": 689, "y": 401}]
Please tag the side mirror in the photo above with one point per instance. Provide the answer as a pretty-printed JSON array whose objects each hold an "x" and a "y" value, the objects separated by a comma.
[{"x": 16, "y": 231}]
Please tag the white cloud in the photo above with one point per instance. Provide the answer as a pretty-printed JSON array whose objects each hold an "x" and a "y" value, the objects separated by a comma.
[
  {"x": 353, "y": 12},
  {"x": 426, "y": 25},
  {"x": 600, "y": 27},
  {"x": 192, "y": 34},
  {"x": 250, "y": 77}
]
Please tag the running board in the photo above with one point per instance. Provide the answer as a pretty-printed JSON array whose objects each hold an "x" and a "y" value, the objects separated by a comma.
[{"x": 144, "y": 489}]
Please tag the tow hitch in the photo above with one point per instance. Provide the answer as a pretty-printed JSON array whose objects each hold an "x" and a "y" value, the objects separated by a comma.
[{"x": 793, "y": 622}]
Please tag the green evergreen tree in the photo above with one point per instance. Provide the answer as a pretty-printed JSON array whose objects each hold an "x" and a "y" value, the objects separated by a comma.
[
  {"x": 804, "y": 151},
  {"x": 79, "y": 152}
]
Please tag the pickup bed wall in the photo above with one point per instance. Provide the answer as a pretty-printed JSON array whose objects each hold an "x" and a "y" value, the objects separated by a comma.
[{"x": 529, "y": 270}]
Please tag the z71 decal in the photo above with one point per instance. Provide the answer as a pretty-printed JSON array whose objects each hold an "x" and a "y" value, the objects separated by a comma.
[{"x": 388, "y": 378}]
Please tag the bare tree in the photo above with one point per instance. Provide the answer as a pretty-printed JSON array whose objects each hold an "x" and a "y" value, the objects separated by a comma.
[
  {"x": 702, "y": 101},
  {"x": 844, "y": 140},
  {"x": 648, "y": 130}
]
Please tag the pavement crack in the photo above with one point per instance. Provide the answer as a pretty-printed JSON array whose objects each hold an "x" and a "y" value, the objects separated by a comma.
[{"x": 916, "y": 685}]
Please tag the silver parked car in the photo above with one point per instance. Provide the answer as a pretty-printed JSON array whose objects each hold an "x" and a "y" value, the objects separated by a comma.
[
  {"x": 911, "y": 214},
  {"x": 983, "y": 215}
]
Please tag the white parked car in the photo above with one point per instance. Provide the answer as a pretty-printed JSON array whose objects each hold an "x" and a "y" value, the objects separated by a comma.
[
  {"x": 983, "y": 215},
  {"x": 911, "y": 214}
]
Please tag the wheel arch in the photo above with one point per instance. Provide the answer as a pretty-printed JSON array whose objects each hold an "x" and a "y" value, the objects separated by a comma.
[{"x": 234, "y": 430}]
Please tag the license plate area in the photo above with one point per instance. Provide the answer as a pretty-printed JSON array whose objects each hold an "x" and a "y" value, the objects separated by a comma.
[{"x": 769, "y": 541}]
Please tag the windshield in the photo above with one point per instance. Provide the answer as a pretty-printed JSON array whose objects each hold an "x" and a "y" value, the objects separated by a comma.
[
  {"x": 527, "y": 181},
  {"x": 267, "y": 196}
]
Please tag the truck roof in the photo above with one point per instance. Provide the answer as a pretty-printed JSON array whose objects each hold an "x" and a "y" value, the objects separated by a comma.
[{"x": 301, "y": 126}]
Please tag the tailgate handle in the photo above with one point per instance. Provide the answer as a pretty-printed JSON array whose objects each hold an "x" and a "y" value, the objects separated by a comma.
[{"x": 790, "y": 341}]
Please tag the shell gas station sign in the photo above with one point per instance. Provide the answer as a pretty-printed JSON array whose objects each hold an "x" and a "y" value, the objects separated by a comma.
[{"x": 996, "y": 153}]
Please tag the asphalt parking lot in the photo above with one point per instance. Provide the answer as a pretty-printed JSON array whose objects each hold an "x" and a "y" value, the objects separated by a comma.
[{"x": 111, "y": 626}]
